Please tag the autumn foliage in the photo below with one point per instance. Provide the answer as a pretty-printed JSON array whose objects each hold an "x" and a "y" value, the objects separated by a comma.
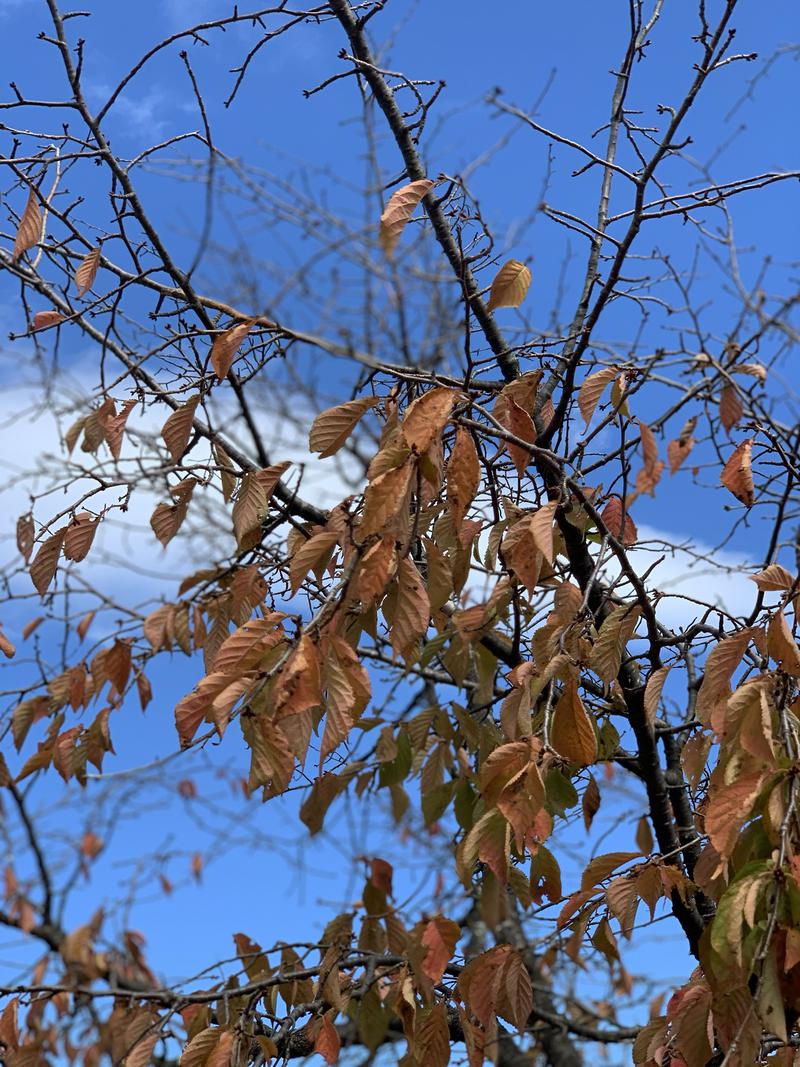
[{"x": 476, "y": 637}]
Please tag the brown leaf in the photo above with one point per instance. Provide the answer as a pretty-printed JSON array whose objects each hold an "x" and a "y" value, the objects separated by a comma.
[
  {"x": 252, "y": 502},
  {"x": 87, "y": 272},
  {"x": 612, "y": 517},
  {"x": 43, "y": 319},
  {"x": 30, "y": 227},
  {"x": 411, "y": 609},
  {"x": 541, "y": 526},
  {"x": 439, "y": 939},
  {"x": 399, "y": 210},
  {"x": 327, "y": 1042},
  {"x": 226, "y": 345},
  {"x": 426, "y": 417},
  {"x": 114, "y": 427},
  {"x": 31, "y": 626},
  {"x": 79, "y": 536},
  {"x": 514, "y": 418},
  {"x": 782, "y": 646},
  {"x": 592, "y": 388},
  {"x": 44, "y": 564},
  {"x": 6, "y": 647},
  {"x": 510, "y": 286},
  {"x": 571, "y": 732},
  {"x": 678, "y": 450},
  {"x": 26, "y": 535},
  {"x": 384, "y": 498},
  {"x": 773, "y": 578},
  {"x": 730, "y": 407},
  {"x": 463, "y": 475},
  {"x": 612, "y": 640},
  {"x": 178, "y": 428},
  {"x": 652, "y": 692},
  {"x": 309, "y": 554},
  {"x": 381, "y": 875},
  {"x": 737, "y": 475},
  {"x": 167, "y": 519},
  {"x": 331, "y": 428}
]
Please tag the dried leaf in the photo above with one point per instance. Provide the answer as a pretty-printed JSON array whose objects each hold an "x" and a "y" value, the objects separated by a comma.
[
  {"x": 43, "y": 319},
  {"x": 26, "y": 535},
  {"x": 331, "y": 428},
  {"x": 79, "y": 536},
  {"x": 730, "y": 407},
  {"x": 6, "y": 647},
  {"x": 114, "y": 427},
  {"x": 87, "y": 272},
  {"x": 327, "y": 1042},
  {"x": 612, "y": 517},
  {"x": 571, "y": 731},
  {"x": 652, "y": 692},
  {"x": 178, "y": 428},
  {"x": 44, "y": 564},
  {"x": 737, "y": 475},
  {"x": 226, "y": 345},
  {"x": 541, "y": 525},
  {"x": 592, "y": 388},
  {"x": 439, "y": 939},
  {"x": 399, "y": 210},
  {"x": 782, "y": 646},
  {"x": 30, "y": 227},
  {"x": 510, "y": 286},
  {"x": 463, "y": 475},
  {"x": 426, "y": 418},
  {"x": 773, "y": 578}
]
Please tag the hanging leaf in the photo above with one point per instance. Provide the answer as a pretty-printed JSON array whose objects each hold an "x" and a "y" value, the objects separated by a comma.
[
  {"x": 592, "y": 388},
  {"x": 737, "y": 475},
  {"x": 226, "y": 345},
  {"x": 510, "y": 286},
  {"x": 730, "y": 407},
  {"x": 79, "y": 536},
  {"x": 678, "y": 450},
  {"x": 399, "y": 210},
  {"x": 331, "y": 428},
  {"x": 624, "y": 530},
  {"x": 30, "y": 227},
  {"x": 463, "y": 475},
  {"x": 571, "y": 731},
  {"x": 114, "y": 427},
  {"x": 44, "y": 564},
  {"x": 541, "y": 525},
  {"x": 87, "y": 272},
  {"x": 652, "y": 692},
  {"x": 26, "y": 535},
  {"x": 6, "y": 647},
  {"x": 177, "y": 430},
  {"x": 426, "y": 418}
]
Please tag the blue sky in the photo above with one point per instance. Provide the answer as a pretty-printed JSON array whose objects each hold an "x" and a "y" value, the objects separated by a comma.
[{"x": 562, "y": 53}]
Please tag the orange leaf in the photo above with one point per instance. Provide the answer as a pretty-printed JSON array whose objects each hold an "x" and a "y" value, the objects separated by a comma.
[
  {"x": 592, "y": 388},
  {"x": 327, "y": 1042},
  {"x": 331, "y": 428},
  {"x": 426, "y": 417},
  {"x": 43, "y": 319},
  {"x": 730, "y": 407},
  {"x": 439, "y": 938},
  {"x": 612, "y": 517}
]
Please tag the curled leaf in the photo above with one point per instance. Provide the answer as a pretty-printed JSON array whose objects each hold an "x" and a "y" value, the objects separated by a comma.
[{"x": 737, "y": 476}]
